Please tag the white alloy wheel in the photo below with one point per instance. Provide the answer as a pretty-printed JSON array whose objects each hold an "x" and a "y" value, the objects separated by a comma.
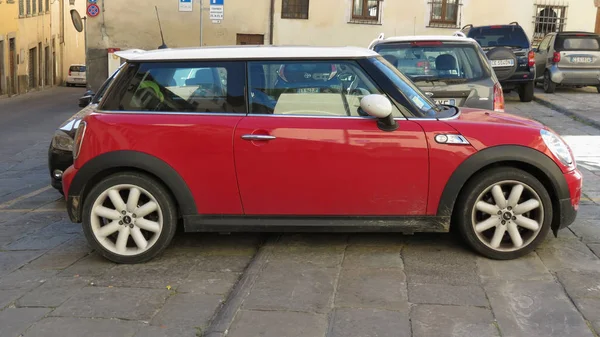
[
  {"x": 508, "y": 216},
  {"x": 126, "y": 219}
]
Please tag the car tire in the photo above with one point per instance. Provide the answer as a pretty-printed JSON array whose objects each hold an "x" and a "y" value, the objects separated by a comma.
[
  {"x": 549, "y": 86},
  {"x": 598, "y": 88},
  {"x": 113, "y": 228},
  {"x": 480, "y": 218},
  {"x": 526, "y": 92}
]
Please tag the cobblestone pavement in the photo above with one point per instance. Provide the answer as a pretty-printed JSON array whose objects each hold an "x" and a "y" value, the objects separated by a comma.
[
  {"x": 580, "y": 103},
  {"x": 52, "y": 284}
]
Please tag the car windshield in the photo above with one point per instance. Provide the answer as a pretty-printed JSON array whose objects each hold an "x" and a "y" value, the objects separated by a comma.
[
  {"x": 80, "y": 69},
  {"x": 511, "y": 36},
  {"x": 431, "y": 61},
  {"x": 412, "y": 93}
]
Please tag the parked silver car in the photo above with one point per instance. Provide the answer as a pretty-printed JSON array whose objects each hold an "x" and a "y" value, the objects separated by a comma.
[
  {"x": 452, "y": 70},
  {"x": 568, "y": 59}
]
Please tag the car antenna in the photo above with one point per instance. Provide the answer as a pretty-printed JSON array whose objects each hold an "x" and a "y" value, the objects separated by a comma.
[{"x": 163, "y": 45}]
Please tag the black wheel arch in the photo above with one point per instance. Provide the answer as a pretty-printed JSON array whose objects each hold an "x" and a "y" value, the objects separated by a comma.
[
  {"x": 109, "y": 163},
  {"x": 525, "y": 158}
]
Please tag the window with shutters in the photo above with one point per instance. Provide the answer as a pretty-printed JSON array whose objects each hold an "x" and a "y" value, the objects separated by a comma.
[
  {"x": 444, "y": 13},
  {"x": 366, "y": 11},
  {"x": 21, "y": 7}
]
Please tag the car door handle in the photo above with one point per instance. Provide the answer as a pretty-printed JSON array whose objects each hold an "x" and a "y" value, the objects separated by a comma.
[{"x": 258, "y": 137}]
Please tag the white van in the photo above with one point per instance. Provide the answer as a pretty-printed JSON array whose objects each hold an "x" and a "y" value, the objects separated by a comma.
[{"x": 77, "y": 75}]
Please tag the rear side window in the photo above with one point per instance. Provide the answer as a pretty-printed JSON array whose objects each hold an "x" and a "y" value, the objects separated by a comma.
[
  {"x": 80, "y": 69},
  {"x": 436, "y": 61},
  {"x": 210, "y": 87},
  {"x": 574, "y": 42},
  {"x": 500, "y": 36}
]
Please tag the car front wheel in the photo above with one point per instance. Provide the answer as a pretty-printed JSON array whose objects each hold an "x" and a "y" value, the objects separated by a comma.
[
  {"x": 504, "y": 213},
  {"x": 526, "y": 92},
  {"x": 129, "y": 218},
  {"x": 549, "y": 86}
]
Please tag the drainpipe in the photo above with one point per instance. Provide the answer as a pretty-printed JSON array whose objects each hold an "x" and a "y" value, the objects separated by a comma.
[{"x": 271, "y": 21}]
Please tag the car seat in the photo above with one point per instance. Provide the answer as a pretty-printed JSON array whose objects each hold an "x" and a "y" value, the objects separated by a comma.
[
  {"x": 260, "y": 102},
  {"x": 445, "y": 63},
  {"x": 296, "y": 76}
]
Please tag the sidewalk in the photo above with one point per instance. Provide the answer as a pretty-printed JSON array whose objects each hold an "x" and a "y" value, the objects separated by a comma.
[{"x": 582, "y": 104}]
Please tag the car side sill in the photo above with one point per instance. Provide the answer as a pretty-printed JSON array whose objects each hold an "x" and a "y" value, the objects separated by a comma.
[{"x": 404, "y": 224}]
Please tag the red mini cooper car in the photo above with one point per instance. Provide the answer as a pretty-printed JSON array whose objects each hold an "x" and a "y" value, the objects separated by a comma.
[{"x": 306, "y": 138}]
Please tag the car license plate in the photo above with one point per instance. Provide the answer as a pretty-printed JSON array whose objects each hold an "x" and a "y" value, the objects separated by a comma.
[
  {"x": 503, "y": 63},
  {"x": 580, "y": 59},
  {"x": 445, "y": 101},
  {"x": 308, "y": 90}
]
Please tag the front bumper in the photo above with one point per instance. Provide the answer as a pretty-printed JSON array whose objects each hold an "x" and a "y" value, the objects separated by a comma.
[
  {"x": 568, "y": 207},
  {"x": 58, "y": 160},
  {"x": 73, "y": 201},
  {"x": 566, "y": 76}
]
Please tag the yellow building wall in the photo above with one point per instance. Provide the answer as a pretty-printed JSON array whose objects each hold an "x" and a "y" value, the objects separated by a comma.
[
  {"x": 9, "y": 13},
  {"x": 70, "y": 44},
  {"x": 328, "y": 22}
]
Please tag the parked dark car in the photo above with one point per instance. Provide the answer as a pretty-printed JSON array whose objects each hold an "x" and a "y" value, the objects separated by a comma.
[
  {"x": 568, "y": 59},
  {"x": 509, "y": 50},
  {"x": 60, "y": 153}
]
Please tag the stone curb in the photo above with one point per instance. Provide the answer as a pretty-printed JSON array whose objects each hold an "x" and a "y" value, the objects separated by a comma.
[{"x": 567, "y": 112}]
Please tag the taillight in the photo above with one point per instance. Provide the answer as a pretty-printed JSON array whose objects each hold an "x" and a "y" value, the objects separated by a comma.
[
  {"x": 498, "y": 98},
  {"x": 69, "y": 72},
  {"x": 426, "y": 43},
  {"x": 556, "y": 57},
  {"x": 79, "y": 139},
  {"x": 531, "y": 58}
]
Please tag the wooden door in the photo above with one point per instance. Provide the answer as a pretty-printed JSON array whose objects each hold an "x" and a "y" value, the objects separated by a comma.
[
  {"x": 597, "y": 29},
  {"x": 255, "y": 39}
]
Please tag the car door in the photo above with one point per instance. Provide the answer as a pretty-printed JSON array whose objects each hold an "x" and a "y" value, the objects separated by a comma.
[
  {"x": 306, "y": 149},
  {"x": 541, "y": 56}
]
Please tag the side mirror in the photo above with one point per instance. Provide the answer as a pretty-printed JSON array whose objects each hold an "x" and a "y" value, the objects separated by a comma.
[
  {"x": 86, "y": 99},
  {"x": 380, "y": 107}
]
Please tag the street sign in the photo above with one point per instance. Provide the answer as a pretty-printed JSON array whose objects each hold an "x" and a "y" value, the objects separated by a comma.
[
  {"x": 185, "y": 6},
  {"x": 217, "y": 2},
  {"x": 93, "y": 10},
  {"x": 92, "y": 1},
  {"x": 216, "y": 11}
]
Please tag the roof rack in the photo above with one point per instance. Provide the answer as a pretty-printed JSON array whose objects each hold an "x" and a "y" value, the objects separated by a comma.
[
  {"x": 469, "y": 25},
  {"x": 514, "y": 23},
  {"x": 459, "y": 34}
]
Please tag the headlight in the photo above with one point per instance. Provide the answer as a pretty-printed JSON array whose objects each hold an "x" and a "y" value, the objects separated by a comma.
[
  {"x": 62, "y": 141},
  {"x": 558, "y": 147}
]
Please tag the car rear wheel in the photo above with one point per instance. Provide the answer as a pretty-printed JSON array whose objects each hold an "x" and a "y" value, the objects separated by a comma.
[
  {"x": 598, "y": 88},
  {"x": 504, "y": 213},
  {"x": 549, "y": 86},
  {"x": 129, "y": 217},
  {"x": 526, "y": 92}
]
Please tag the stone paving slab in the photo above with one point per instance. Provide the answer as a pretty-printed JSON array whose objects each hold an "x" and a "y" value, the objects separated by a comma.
[
  {"x": 9, "y": 296},
  {"x": 373, "y": 257},
  {"x": 369, "y": 323},
  {"x": 317, "y": 256},
  {"x": 14, "y": 321},
  {"x": 277, "y": 324},
  {"x": 88, "y": 327},
  {"x": 163, "y": 331},
  {"x": 62, "y": 256},
  {"x": 53, "y": 292},
  {"x": 187, "y": 310},
  {"x": 452, "y": 321},
  {"x": 10, "y": 261},
  {"x": 526, "y": 268},
  {"x": 208, "y": 282},
  {"x": 25, "y": 279},
  {"x": 372, "y": 288},
  {"x": 587, "y": 230},
  {"x": 535, "y": 308},
  {"x": 567, "y": 254},
  {"x": 578, "y": 103},
  {"x": 123, "y": 303},
  {"x": 595, "y": 248},
  {"x": 293, "y": 288},
  {"x": 447, "y": 294}
]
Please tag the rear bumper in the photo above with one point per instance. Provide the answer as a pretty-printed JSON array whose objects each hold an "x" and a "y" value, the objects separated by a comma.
[
  {"x": 567, "y": 76},
  {"x": 568, "y": 207},
  {"x": 519, "y": 77}
]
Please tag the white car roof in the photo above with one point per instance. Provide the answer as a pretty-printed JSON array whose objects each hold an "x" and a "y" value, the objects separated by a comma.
[
  {"x": 446, "y": 38},
  {"x": 244, "y": 52}
]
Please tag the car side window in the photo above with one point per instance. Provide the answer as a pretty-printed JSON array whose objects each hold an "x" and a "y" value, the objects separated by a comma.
[
  {"x": 209, "y": 87},
  {"x": 309, "y": 88},
  {"x": 545, "y": 43}
]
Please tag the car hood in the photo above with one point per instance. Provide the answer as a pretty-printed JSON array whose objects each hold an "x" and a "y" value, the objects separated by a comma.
[
  {"x": 70, "y": 125},
  {"x": 487, "y": 116}
]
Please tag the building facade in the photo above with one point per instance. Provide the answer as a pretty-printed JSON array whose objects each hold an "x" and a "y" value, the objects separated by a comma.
[
  {"x": 37, "y": 43},
  {"x": 134, "y": 24}
]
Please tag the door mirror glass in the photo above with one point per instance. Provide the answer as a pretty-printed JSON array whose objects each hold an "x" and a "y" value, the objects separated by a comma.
[
  {"x": 86, "y": 99},
  {"x": 379, "y": 107}
]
